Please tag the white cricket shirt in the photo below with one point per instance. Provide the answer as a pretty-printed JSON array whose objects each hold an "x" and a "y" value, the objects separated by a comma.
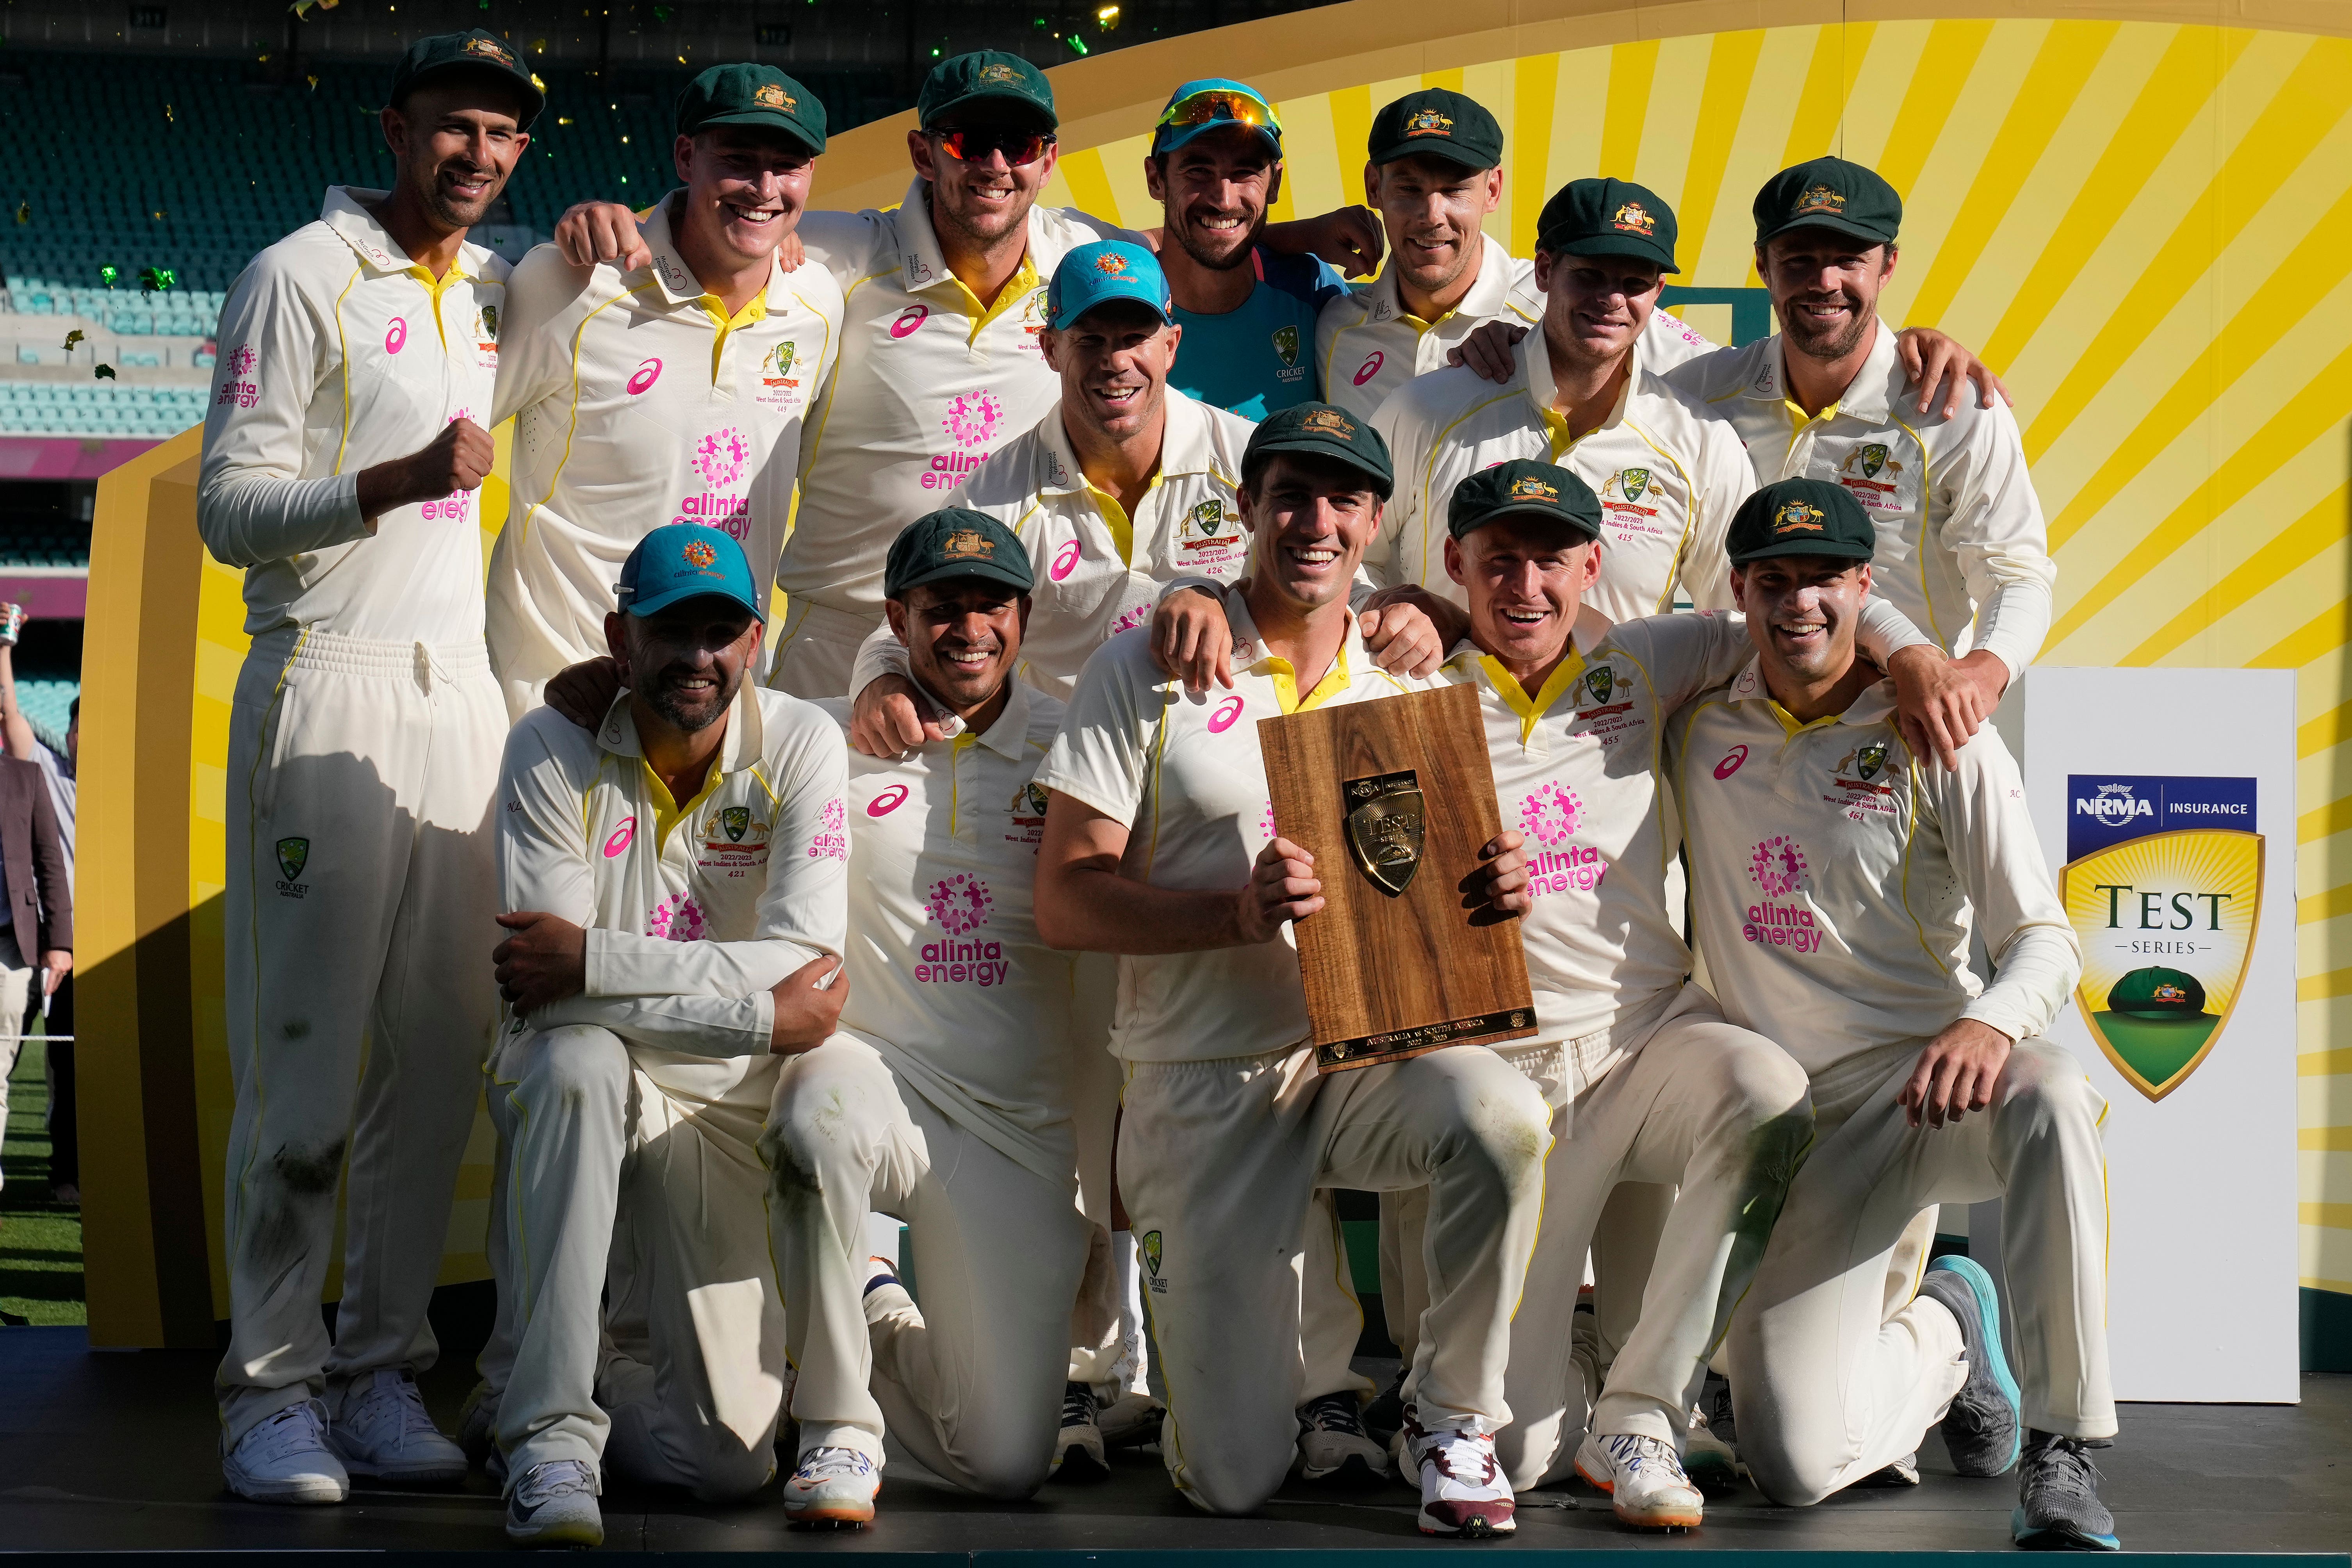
[
  {"x": 1187, "y": 772},
  {"x": 639, "y": 402},
  {"x": 1668, "y": 479},
  {"x": 947, "y": 978},
  {"x": 1835, "y": 877},
  {"x": 695, "y": 910},
  {"x": 934, "y": 383},
  {"x": 337, "y": 352},
  {"x": 1099, "y": 571},
  {"x": 1961, "y": 546}
]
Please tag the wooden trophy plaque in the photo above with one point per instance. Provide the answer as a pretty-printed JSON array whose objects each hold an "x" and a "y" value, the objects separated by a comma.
[{"x": 1394, "y": 798}]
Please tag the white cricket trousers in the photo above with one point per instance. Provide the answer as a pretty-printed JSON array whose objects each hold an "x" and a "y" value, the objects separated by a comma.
[
  {"x": 647, "y": 1164},
  {"x": 1828, "y": 1386},
  {"x": 360, "y": 915},
  {"x": 1703, "y": 1103},
  {"x": 816, "y": 648},
  {"x": 971, "y": 1383},
  {"x": 17, "y": 980},
  {"x": 1218, "y": 1163}
]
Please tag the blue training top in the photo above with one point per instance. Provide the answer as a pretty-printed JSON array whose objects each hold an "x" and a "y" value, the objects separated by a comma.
[{"x": 1260, "y": 357}]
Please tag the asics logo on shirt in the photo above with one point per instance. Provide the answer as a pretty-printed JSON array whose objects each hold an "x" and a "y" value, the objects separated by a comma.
[
  {"x": 1223, "y": 719},
  {"x": 888, "y": 801},
  {"x": 1731, "y": 761},
  {"x": 645, "y": 376},
  {"x": 1371, "y": 367},
  {"x": 395, "y": 336},
  {"x": 910, "y": 318},
  {"x": 1065, "y": 560},
  {"x": 620, "y": 837}
]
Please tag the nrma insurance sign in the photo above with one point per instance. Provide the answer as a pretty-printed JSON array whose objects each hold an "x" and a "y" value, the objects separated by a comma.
[{"x": 2163, "y": 884}]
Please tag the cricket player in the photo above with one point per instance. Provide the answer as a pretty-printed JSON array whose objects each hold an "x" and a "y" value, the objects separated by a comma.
[
  {"x": 1433, "y": 171},
  {"x": 945, "y": 1098},
  {"x": 346, "y": 435},
  {"x": 673, "y": 392},
  {"x": 1248, "y": 313},
  {"x": 1227, "y": 1129},
  {"x": 1838, "y": 880},
  {"x": 1962, "y": 550},
  {"x": 1584, "y": 395},
  {"x": 675, "y": 881}
]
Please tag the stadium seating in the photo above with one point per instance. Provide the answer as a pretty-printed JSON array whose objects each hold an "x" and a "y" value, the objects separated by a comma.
[
  {"x": 100, "y": 408},
  {"x": 204, "y": 161}
]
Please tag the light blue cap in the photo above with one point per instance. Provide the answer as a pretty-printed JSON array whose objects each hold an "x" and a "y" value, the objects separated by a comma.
[
  {"x": 1107, "y": 269},
  {"x": 685, "y": 561}
]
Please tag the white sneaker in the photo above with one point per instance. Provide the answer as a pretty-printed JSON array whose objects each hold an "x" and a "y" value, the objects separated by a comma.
[
  {"x": 285, "y": 1459},
  {"x": 554, "y": 1504},
  {"x": 1334, "y": 1449},
  {"x": 1132, "y": 1417},
  {"x": 1644, "y": 1481},
  {"x": 478, "y": 1425},
  {"x": 1079, "y": 1448},
  {"x": 384, "y": 1432},
  {"x": 1464, "y": 1491},
  {"x": 833, "y": 1488}
]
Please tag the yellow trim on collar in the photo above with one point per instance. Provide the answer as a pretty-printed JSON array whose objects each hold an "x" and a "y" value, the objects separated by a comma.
[
  {"x": 1563, "y": 678},
  {"x": 1556, "y": 428},
  {"x": 1799, "y": 421},
  {"x": 1020, "y": 286},
  {"x": 1791, "y": 727},
  {"x": 1114, "y": 516},
  {"x": 1286, "y": 683},
  {"x": 667, "y": 813},
  {"x": 754, "y": 309},
  {"x": 436, "y": 287}
]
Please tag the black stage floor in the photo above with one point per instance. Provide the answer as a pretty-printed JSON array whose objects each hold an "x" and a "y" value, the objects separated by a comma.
[{"x": 116, "y": 1451}]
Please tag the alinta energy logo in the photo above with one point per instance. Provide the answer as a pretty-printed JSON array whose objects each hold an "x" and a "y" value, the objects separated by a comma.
[
  {"x": 972, "y": 421},
  {"x": 1551, "y": 813},
  {"x": 1778, "y": 866},
  {"x": 831, "y": 841},
  {"x": 720, "y": 460},
  {"x": 959, "y": 904},
  {"x": 676, "y": 919}
]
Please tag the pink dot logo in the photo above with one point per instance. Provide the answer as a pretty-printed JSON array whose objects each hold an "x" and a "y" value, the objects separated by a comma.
[
  {"x": 1266, "y": 823},
  {"x": 1778, "y": 866},
  {"x": 888, "y": 801},
  {"x": 1065, "y": 560},
  {"x": 242, "y": 360},
  {"x": 621, "y": 837},
  {"x": 1550, "y": 813},
  {"x": 721, "y": 456},
  {"x": 1223, "y": 719},
  {"x": 395, "y": 336},
  {"x": 1731, "y": 761},
  {"x": 645, "y": 376},
  {"x": 973, "y": 417},
  {"x": 910, "y": 318},
  {"x": 677, "y": 918},
  {"x": 831, "y": 841},
  {"x": 1131, "y": 617},
  {"x": 960, "y": 903},
  {"x": 1371, "y": 367}
]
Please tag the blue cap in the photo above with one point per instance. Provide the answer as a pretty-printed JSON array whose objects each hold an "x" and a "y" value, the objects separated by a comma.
[
  {"x": 1107, "y": 269},
  {"x": 1210, "y": 103},
  {"x": 684, "y": 561}
]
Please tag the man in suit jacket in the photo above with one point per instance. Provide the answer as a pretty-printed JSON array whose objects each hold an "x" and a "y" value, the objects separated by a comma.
[{"x": 39, "y": 900}]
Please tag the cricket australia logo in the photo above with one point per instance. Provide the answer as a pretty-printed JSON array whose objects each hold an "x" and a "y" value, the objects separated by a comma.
[
  {"x": 1151, "y": 1247},
  {"x": 960, "y": 903},
  {"x": 734, "y": 822},
  {"x": 1629, "y": 483},
  {"x": 293, "y": 854},
  {"x": 1285, "y": 344},
  {"x": 1778, "y": 865}
]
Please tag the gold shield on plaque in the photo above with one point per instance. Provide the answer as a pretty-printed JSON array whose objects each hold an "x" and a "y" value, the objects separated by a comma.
[{"x": 1384, "y": 827}]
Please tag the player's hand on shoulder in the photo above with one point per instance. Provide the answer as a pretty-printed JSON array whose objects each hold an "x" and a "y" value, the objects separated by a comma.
[
  {"x": 592, "y": 232},
  {"x": 583, "y": 692},
  {"x": 890, "y": 718},
  {"x": 808, "y": 1005},
  {"x": 1350, "y": 239},
  {"x": 790, "y": 253},
  {"x": 1408, "y": 630},
  {"x": 1498, "y": 888},
  {"x": 1941, "y": 702},
  {"x": 544, "y": 961},
  {"x": 1192, "y": 641},
  {"x": 1488, "y": 351},
  {"x": 1282, "y": 887},
  {"x": 1955, "y": 1075},
  {"x": 1937, "y": 363}
]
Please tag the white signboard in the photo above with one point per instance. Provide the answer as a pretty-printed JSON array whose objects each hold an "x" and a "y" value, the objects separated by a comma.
[{"x": 2164, "y": 800}]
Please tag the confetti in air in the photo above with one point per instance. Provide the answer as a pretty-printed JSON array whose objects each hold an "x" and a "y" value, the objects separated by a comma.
[{"x": 155, "y": 280}]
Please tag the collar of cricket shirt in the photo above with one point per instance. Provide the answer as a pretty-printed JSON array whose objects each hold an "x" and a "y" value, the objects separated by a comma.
[
  {"x": 1864, "y": 396},
  {"x": 346, "y": 212},
  {"x": 1490, "y": 290},
  {"x": 745, "y": 743},
  {"x": 1184, "y": 447},
  {"x": 1875, "y": 702}
]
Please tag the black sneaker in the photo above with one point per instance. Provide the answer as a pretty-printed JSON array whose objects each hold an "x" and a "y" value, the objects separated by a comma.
[
  {"x": 1078, "y": 1453},
  {"x": 1384, "y": 1417},
  {"x": 2058, "y": 1507},
  {"x": 1982, "y": 1428},
  {"x": 1334, "y": 1449},
  {"x": 1710, "y": 1449}
]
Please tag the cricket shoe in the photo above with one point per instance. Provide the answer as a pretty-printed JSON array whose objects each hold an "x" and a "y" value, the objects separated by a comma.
[
  {"x": 1384, "y": 1417},
  {"x": 1903, "y": 1472},
  {"x": 1334, "y": 1449},
  {"x": 383, "y": 1432},
  {"x": 2058, "y": 1507},
  {"x": 1078, "y": 1453},
  {"x": 1644, "y": 1480},
  {"x": 285, "y": 1459},
  {"x": 1710, "y": 1455},
  {"x": 1982, "y": 1428},
  {"x": 554, "y": 1504},
  {"x": 478, "y": 1425},
  {"x": 1132, "y": 1418},
  {"x": 1464, "y": 1491},
  {"x": 832, "y": 1489}
]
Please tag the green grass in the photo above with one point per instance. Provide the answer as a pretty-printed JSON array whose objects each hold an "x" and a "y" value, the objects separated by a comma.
[{"x": 40, "y": 1241}]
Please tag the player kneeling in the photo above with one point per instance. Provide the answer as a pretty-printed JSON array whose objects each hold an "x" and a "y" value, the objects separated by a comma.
[
  {"x": 1837, "y": 879},
  {"x": 677, "y": 882},
  {"x": 945, "y": 1099}
]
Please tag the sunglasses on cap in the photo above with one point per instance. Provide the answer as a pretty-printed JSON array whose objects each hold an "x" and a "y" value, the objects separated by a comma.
[
  {"x": 1215, "y": 103},
  {"x": 1019, "y": 147}
]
